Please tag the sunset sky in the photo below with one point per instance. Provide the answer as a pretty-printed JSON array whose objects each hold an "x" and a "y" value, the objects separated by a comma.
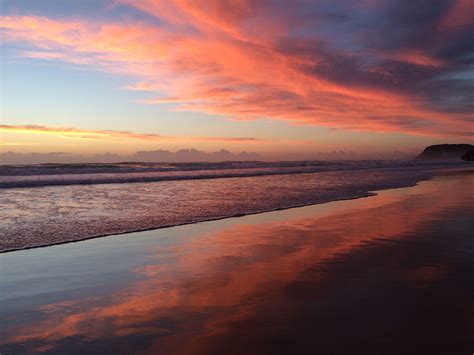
[{"x": 273, "y": 77}]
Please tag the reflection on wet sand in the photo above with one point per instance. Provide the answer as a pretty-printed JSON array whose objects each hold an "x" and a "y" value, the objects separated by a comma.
[{"x": 386, "y": 274}]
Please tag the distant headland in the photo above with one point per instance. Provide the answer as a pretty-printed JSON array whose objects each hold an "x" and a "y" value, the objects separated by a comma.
[
  {"x": 448, "y": 151},
  {"x": 468, "y": 156}
]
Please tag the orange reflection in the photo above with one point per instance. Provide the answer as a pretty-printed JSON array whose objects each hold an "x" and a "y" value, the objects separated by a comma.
[{"x": 241, "y": 275}]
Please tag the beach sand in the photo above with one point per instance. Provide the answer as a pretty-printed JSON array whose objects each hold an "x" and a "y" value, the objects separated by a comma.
[{"x": 387, "y": 274}]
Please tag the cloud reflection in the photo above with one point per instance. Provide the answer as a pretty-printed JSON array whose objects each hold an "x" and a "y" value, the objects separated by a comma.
[{"x": 259, "y": 281}]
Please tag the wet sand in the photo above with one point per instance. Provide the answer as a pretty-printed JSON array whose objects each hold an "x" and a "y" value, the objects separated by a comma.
[{"x": 388, "y": 274}]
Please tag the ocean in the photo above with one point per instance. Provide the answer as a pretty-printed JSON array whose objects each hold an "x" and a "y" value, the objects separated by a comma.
[{"x": 48, "y": 204}]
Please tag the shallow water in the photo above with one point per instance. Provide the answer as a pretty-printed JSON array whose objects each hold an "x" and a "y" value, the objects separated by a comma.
[
  {"x": 387, "y": 274},
  {"x": 43, "y": 215}
]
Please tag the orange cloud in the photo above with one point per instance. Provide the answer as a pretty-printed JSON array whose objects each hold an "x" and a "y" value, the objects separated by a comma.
[
  {"x": 229, "y": 59},
  {"x": 75, "y": 133}
]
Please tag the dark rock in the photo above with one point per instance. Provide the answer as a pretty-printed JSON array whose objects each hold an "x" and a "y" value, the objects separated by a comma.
[
  {"x": 468, "y": 156},
  {"x": 445, "y": 151}
]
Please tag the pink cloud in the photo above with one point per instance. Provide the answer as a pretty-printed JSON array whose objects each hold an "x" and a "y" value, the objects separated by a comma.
[
  {"x": 227, "y": 59},
  {"x": 460, "y": 15}
]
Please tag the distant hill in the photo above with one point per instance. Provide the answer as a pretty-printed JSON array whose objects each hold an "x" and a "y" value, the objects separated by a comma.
[{"x": 445, "y": 151}]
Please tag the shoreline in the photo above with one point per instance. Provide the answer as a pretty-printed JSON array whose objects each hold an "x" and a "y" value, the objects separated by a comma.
[
  {"x": 369, "y": 193},
  {"x": 203, "y": 221}
]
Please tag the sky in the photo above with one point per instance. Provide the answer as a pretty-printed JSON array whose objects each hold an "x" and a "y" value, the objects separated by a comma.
[{"x": 268, "y": 76}]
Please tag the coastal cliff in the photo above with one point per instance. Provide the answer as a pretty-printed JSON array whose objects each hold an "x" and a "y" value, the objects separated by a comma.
[{"x": 445, "y": 151}]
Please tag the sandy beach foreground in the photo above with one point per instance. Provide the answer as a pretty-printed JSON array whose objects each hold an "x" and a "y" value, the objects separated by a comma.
[{"x": 388, "y": 274}]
